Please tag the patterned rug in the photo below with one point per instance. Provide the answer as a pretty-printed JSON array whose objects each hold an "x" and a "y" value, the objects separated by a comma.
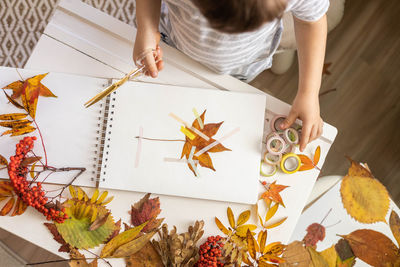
[{"x": 23, "y": 21}]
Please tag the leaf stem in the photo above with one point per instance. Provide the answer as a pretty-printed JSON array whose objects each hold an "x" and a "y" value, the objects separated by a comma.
[{"x": 164, "y": 140}]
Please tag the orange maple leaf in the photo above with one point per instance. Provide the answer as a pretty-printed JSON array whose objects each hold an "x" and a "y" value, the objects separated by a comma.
[
  {"x": 273, "y": 191},
  {"x": 29, "y": 91},
  {"x": 204, "y": 159}
]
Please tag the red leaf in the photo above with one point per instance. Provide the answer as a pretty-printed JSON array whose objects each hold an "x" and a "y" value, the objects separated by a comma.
[
  {"x": 315, "y": 233},
  {"x": 57, "y": 237},
  {"x": 146, "y": 210}
]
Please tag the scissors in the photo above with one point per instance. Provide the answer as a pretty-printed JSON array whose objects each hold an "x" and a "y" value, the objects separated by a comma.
[{"x": 131, "y": 75}]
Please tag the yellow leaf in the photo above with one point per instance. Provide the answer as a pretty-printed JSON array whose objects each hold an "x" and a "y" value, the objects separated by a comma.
[
  {"x": 271, "y": 212},
  {"x": 330, "y": 256},
  {"x": 394, "y": 222},
  {"x": 316, "y": 258},
  {"x": 120, "y": 240},
  {"x": 365, "y": 199},
  {"x": 231, "y": 217},
  {"x": 13, "y": 116},
  {"x": 246, "y": 260},
  {"x": 19, "y": 131},
  {"x": 133, "y": 246},
  {"x": 262, "y": 239},
  {"x": 72, "y": 191},
  {"x": 251, "y": 245},
  {"x": 274, "y": 248},
  {"x": 94, "y": 214},
  {"x": 276, "y": 224},
  {"x": 80, "y": 193},
  {"x": 7, "y": 207},
  {"x": 32, "y": 171},
  {"x": 243, "y": 217},
  {"x": 102, "y": 197},
  {"x": 108, "y": 200},
  {"x": 242, "y": 230},
  {"x": 317, "y": 155},
  {"x": 78, "y": 260},
  {"x": 272, "y": 258},
  {"x": 3, "y": 161},
  {"x": 222, "y": 227},
  {"x": 95, "y": 196}
]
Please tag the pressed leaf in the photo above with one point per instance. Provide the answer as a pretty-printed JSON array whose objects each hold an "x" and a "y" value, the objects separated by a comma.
[
  {"x": 251, "y": 245},
  {"x": 276, "y": 224},
  {"x": 3, "y": 161},
  {"x": 7, "y": 207},
  {"x": 12, "y": 101},
  {"x": 343, "y": 249},
  {"x": 246, "y": 260},
  {"x": 273, "y": 193},
  {"x": 95, "y": 196},
  {"x": 75, "y": 230},
  {"x": 317, "y": 155},
  {"x": 243, "y": 217},
  {"x": 19, "y": 208},
  {"x": 57, "y": 237},
  {"x": 32, "y": 171},
  {"x": 133, "y": 246},
  {"x": 146, "y": 257},
  {"x": 222, "y": 227},
  {"x": 356, "y": 169},
  {"x": 72, "y": 191},
  {"x": 306, "y": 167},
  {"x": 365, "y": 199},
  {"x": 329, "y": 256},
  {"x": 296, "y": 254},
  {"x": 78, "y": 260},
  {"x": 100, "y": 221},
  {"x": 305, "y": 160},
  {"x": 146, "y": 210},
  {"x": 231, "y": 217},
  {"x": 262, "y": 239},
  {"x": 347, "y": 263},
  {"x": 102, "y": 197},
  {"x": 19, "y": 131},
  {"x": 242, "y": 230},
  {"x": 6, "y": 186},
  {"x": 13, "y": 116},
  {"x": 15, "y": 124},
  {"x": 373, "y": 247},
  {"x": 394, "y": 222},
  {"x": 108, "y": 200},
  {"x": 271, "y": 212},
  {"x": 120, "y": 240},
  {"x": 30, "y": 160},
  {"x": 315, "y": 233},
  {"x": 209, "y": 130},
  {"x": 316, "y": 258}
]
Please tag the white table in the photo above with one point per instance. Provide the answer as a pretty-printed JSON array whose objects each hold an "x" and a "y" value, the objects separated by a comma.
[{"x": 82, "y": 40}]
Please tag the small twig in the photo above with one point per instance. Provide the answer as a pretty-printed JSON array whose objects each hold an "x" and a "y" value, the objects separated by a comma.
[
  {"x": 63, "y": 260},
  {"x": 41, "y": 138},
  {"x": 108, "y": 263},
  {"x": 166, "y": 140},
  {"x": 325, "y": 216}
]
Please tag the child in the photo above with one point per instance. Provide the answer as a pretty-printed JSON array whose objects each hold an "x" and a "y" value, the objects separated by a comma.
[{"x": 239, "y": 37}]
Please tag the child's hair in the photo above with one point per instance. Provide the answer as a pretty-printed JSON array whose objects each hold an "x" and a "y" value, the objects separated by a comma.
[{"x": 236, "y": 16}]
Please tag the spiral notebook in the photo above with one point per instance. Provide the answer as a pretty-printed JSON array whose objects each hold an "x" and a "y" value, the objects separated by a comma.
[{"x": 141, "y": 138}]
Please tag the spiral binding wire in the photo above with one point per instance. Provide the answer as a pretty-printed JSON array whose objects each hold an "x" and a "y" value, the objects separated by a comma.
[{"x": 103, "y": 119}]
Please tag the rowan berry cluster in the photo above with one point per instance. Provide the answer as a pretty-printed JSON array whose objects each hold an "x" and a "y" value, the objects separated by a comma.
[
  {"x": 30, "y": 193},
  {"x": 210, "y": 252}
]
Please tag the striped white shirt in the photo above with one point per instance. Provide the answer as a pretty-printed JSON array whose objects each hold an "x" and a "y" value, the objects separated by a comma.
[{"x": 242, "y": 55}]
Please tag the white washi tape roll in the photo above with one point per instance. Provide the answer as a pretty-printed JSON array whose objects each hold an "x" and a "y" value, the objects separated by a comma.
[
  {"x": 291, "y": 136},
  {"x": 272, "y": 159},
  {"x": 267, "y": 170},
  {"x": 276, "y": 145}
]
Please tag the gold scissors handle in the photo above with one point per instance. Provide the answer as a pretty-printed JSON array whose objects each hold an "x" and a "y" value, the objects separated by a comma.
[{"x": 132, "y": 74}]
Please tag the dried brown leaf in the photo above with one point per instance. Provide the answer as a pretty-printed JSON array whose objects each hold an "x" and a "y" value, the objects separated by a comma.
[
  {"x": 13, "y": 116},
  {"x": 7, "y": 207},
  {"x": 12, "y": 101},
  {"x": 30, "y": 160},
  {"x": 57, "y": 237},
  {"x": 133, "y": 246},
  {"x": 394, "y": 222},
  {"x": 296, "y": 255},
  {"x": 146, "y": 210},
  {"x": 373, "y": 247},
  {"x": 343, "y": 249},
  {"x": 3, "y": 161},
  {"x": 79, "y": 260},
  {"x": 146, "y": 257},
  {"x": 100, "y": 221}
]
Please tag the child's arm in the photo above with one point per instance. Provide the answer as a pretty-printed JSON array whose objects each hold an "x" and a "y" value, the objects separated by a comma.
[
  {"x": 147, "y": 36},
  {"x": 311, "y": 42}
]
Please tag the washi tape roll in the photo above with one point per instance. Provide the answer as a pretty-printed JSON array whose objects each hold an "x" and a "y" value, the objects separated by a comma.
[
  {"x": 290, "y": 163},
  {"x": 276, "y": 122},
  {"x": 271, "y": 159},
  {"x": 267, "y": 170},
  {"x": 276, "y": 145},
  {"x": 291, "y": 136}
]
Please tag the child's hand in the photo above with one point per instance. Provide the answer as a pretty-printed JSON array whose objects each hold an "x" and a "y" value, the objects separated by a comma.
[
  {"x": 146, "y": 40},
  {"x": 306, "y": 107}
]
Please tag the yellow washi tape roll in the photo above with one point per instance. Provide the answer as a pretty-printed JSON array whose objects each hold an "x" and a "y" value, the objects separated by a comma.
[{"x": 290, "y": 163}]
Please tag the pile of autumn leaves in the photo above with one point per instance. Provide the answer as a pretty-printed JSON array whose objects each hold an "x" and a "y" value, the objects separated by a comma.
[{"x": 367, "y": 201}]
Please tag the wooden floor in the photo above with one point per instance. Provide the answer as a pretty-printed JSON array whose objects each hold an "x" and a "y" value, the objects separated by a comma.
[{"x": 365, "y": 54}]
